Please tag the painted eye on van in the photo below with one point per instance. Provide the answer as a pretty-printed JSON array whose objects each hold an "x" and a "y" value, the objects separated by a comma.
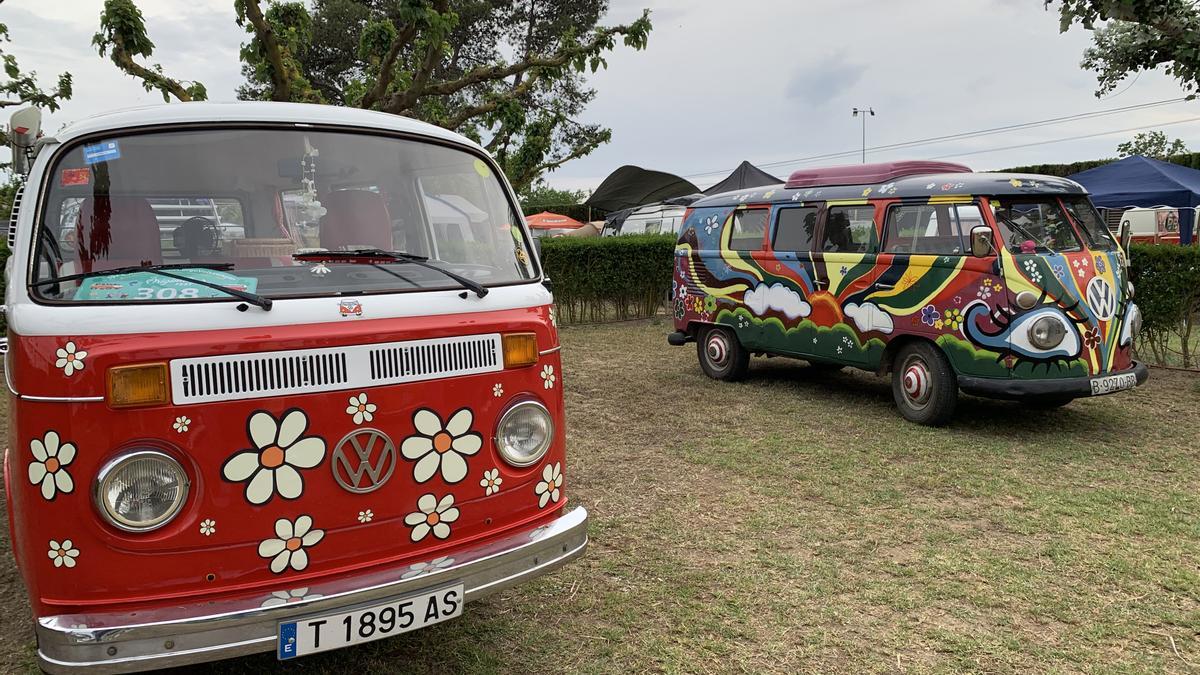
[{"x": 1044, "y": 334}]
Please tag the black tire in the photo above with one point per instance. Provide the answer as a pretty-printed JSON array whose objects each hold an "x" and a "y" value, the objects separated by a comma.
[
  {"x": 1046, "y": 402},
  {"x": 722, "y": 356},
  {"x": 924, "y": 385}
]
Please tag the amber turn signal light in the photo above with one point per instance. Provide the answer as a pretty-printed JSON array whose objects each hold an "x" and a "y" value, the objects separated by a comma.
[
  {"x": 520, "y": 349},
  {"x": 141, "y": 385}
]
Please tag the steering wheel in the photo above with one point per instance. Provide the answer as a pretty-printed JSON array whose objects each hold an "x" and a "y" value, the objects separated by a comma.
[{"x": 197, "y": 236}]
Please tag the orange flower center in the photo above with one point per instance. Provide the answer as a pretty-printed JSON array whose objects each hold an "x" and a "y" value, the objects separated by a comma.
[
  {"x": 271, "y": 457},
  {"x": 362, "y": 407},
  {"x": 70, "y": 358},
  {"x": 293, "y": 543},
  {"x": 62, "y": 553},
  {"x": 52, "y": 464},
  {"x": 433, "y": 519},
  {"x": 442, "y": 441}
]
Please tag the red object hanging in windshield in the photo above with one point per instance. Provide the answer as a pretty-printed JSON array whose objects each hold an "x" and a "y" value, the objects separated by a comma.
[{"x": 869, "y": 174}]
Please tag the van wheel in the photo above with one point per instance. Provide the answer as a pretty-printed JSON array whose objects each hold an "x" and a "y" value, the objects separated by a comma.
[
  {"x": 924, "y": 385},
  {"x": 1046, "y": 402},
  {"x": 722, "y": 356}
]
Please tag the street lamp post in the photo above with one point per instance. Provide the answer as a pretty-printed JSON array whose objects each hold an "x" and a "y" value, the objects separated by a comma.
[{"x": 863, "y": 112}]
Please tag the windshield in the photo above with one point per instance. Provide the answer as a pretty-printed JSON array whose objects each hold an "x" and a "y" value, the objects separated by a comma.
[
  {"x": 240, "y": 203},
  {"x": 1034, "y": 225},
  {"x": 1090, "y": 223}
]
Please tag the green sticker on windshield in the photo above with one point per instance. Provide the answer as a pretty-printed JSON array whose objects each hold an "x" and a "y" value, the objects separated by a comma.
[
  {"x": 482, "y": 169},
  {"x": 150, "y": 286}
]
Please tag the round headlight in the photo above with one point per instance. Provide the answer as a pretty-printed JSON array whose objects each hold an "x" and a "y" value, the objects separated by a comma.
[
  {"x": 1135, "y": 322},
  {"x": 1047, "y": 333},
  {"x": 141, "y": 491},
  {"x": 524, "y": 433}
]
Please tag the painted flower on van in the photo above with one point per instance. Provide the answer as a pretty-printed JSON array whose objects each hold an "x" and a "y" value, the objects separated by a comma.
[
  {"x": 1059, "y": 271},
  {"x": 279, "y": 450},
  {"x": 423, "y": 568},
  {"x": 208, "y": 527},
  {"x": 929, "y": 315},
  {"x": 548, "y": 488},
  {"x": 63, "y": 554},
  {"x": 680, "y": 309},
  {"x": 280, "y": 598},
  {"x": 1032, "y": 271},
  {"x": 49, "y": 465},
  {"x": 360, "y": 410},
  {"x": 1091, "y": 337},
  {"x": 441, "y": 447},
  {"x": 287, "y": 548},
  {"x": 1100, "y": 267},
  {"x": 548, "y": 376},
  {"x": 70, "y": 359},
  {"x": 953, "y": 318},
  {"x": 181, "y": 424},
  {"x": 432, "y": 515},
  {"x": 491, "y": 481}
]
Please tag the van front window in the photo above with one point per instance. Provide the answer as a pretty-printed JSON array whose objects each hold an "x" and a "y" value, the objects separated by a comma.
[
  {"x": 1034, "y": 225},
  {"x": 1090, "y": 223},
  {"x": 240, "y": 208}
]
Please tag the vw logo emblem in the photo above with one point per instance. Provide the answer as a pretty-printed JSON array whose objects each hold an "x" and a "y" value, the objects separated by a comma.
[
  {"x": 1101, "y": 299},
  {"x": 364, "y": 460}
]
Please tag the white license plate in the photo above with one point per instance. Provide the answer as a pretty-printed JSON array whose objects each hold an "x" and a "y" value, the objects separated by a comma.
[
  {"x": 334, "y": 631},
  {"x": 1113, "y": 383}
]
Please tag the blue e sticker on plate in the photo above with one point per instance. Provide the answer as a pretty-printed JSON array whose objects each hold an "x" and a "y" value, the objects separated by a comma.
[{"x": 101, "y": 152}]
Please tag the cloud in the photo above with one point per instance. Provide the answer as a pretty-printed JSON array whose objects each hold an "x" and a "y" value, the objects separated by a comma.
[
  {"x": 819, "y": 83},
  {"x": 868, "y": 316},
  {"x": 776, "y": 297}
]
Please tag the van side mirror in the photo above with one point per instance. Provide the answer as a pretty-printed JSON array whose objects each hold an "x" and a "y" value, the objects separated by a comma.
[
  {"x": 982, "y": 245},
  {"x": 1126, "y": 235}
]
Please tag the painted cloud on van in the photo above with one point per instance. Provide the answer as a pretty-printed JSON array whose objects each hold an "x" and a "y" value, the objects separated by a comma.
[{"x": 763, "y": 298}]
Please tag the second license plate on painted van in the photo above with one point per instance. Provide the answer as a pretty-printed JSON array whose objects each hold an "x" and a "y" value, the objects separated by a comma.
[
  {"x": 1113, "y": 383},
  {"x": 334, "y": 631}
]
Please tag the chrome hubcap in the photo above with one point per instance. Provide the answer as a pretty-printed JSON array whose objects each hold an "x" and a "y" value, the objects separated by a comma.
[{"x": 915, "y": 382}]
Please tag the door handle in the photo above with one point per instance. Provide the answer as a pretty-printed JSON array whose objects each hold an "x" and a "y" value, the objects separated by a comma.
[{"x": 885, "y": 287}]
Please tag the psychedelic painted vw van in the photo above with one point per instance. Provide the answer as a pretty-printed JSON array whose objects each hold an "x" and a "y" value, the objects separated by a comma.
[
  {"x": 323, "y": 408},
  {"x": 998, "y": 285}
]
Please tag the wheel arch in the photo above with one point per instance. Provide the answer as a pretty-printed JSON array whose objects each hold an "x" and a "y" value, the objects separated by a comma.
[{"x": 898, "y": 343}]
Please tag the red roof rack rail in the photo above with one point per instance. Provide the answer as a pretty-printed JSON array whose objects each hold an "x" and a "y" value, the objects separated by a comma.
[{"x": 869, "y": 174}]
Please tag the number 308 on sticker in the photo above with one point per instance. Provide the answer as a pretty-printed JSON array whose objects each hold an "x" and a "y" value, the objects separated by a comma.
[{"x": 334, "y": 631}]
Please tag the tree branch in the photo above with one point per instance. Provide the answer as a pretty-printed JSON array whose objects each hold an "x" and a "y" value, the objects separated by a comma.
[
  {"x": 491, "y": 104},
  {"x": 149, "y": 77},
  {"x": 388, "y": 67},
  {"x": 281, "y": 81}
]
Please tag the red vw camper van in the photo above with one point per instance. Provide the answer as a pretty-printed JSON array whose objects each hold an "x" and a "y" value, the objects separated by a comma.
[
  {"x": 1000, "y": 285},
  {"x": 322, "y": 409}
]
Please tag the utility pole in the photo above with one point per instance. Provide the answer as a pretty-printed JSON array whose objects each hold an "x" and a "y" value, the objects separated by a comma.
[{"x": 863, "y": 112}]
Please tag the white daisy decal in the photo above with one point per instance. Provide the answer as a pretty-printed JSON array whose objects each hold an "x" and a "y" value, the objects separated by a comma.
[
  {"x": 491, "y": 481},
  {"x": 432, "y": 516},
  {"x": 287, "y": 548},
  {"x": 49, "y": 465},
  {"x": 280, "y": 448},
  {"x": 423, "y": 568},
  {"x": 181, "y": 424},
  {"x": 548, "y": 376},
  {"x": 360, "y": 410},
  {"x": 280, "y": 598},
  {"x": 497, "y": 390},
  {"x": 208, "y": 526},
  {"x": 553, "y": 317},
  {"x": 63, "y": 554},
  {"x": 548, "y": 488},
  {"x": 366, "y": 516},
  {"x": 441, "y": 447},
  {"x": 69, "y": 359}
]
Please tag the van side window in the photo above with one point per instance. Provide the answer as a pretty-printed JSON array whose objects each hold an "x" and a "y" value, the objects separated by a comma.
[
  {"x": 794, "y": 229},
  {"x": 929, "y": 228},
  {"x": 849, "y": 229},
  {"x": 749, "y": 226}
]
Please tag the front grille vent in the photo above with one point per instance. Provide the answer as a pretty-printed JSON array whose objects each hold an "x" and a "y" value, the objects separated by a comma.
[{"x": 302, "y": 371}]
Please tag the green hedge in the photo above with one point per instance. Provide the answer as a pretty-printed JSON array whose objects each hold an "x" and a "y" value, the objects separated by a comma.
[
  {"x": 1167, "y": 281},
  {"x": 609, "y": 278},
  {"x": 1190, "y": 160}
]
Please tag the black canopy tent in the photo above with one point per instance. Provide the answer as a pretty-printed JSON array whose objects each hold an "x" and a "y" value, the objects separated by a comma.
[
  {"x": 632, "y": 186},
  {"x": 746, "y": 175}
]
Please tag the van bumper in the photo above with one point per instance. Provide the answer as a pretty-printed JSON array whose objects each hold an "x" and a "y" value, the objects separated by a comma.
[
  {"x": 1074, "y": 387},
  {"x": 197, "y": 632}
]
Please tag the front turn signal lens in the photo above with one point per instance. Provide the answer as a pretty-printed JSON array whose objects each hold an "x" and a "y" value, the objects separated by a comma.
[
  {"x": 134, "y": 386},
  {"x": 520, "y": 349}
]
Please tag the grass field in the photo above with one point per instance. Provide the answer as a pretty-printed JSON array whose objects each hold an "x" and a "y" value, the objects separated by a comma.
[{"x": 795, "y": 522}]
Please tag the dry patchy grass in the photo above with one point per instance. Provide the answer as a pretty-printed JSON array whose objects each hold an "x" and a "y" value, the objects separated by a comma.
[{"x": 795, "y": 522}]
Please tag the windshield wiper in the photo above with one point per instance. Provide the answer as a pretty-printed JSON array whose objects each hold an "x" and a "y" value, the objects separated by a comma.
[
  {"x": 252, "y": 298},
  {"x": 374, "y": 256}
]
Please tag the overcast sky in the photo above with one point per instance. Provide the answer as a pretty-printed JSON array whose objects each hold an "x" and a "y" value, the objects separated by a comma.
[{"x": 763, "y": 80}]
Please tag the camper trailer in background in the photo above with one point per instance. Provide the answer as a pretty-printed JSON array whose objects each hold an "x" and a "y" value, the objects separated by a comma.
[
  {"x": 1154, "y": 225},
  {"x": 651, "y": 219}
]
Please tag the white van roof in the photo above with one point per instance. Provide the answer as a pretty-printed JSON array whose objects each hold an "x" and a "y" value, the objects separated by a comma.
[{"x": 254, "y": 111}]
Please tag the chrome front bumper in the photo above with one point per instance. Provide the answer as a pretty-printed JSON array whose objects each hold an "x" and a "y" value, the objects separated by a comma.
[{"x": 194, "y": 633}]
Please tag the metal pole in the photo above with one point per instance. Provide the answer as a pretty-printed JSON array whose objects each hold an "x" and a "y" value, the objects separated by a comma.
[{"x": 864, "y": 112}]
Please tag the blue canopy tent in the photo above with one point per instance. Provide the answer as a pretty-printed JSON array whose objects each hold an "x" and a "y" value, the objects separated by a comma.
[{"x": 1141, "y": 181}]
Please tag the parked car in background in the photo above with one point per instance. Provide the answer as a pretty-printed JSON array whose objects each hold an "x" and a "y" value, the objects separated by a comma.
[
  {"x": 999, "y": 285},
  {"x": 652, "y": 219},
  {"x": 344, "y": 425},
  {"x": 1156, "y": 225}
]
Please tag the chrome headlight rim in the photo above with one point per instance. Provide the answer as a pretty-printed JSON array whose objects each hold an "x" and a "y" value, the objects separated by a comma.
[
  {"x": 110, "y": 468},
  {"x": 504, "y": 418},
  {"x": 1057, "y": 331}
]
